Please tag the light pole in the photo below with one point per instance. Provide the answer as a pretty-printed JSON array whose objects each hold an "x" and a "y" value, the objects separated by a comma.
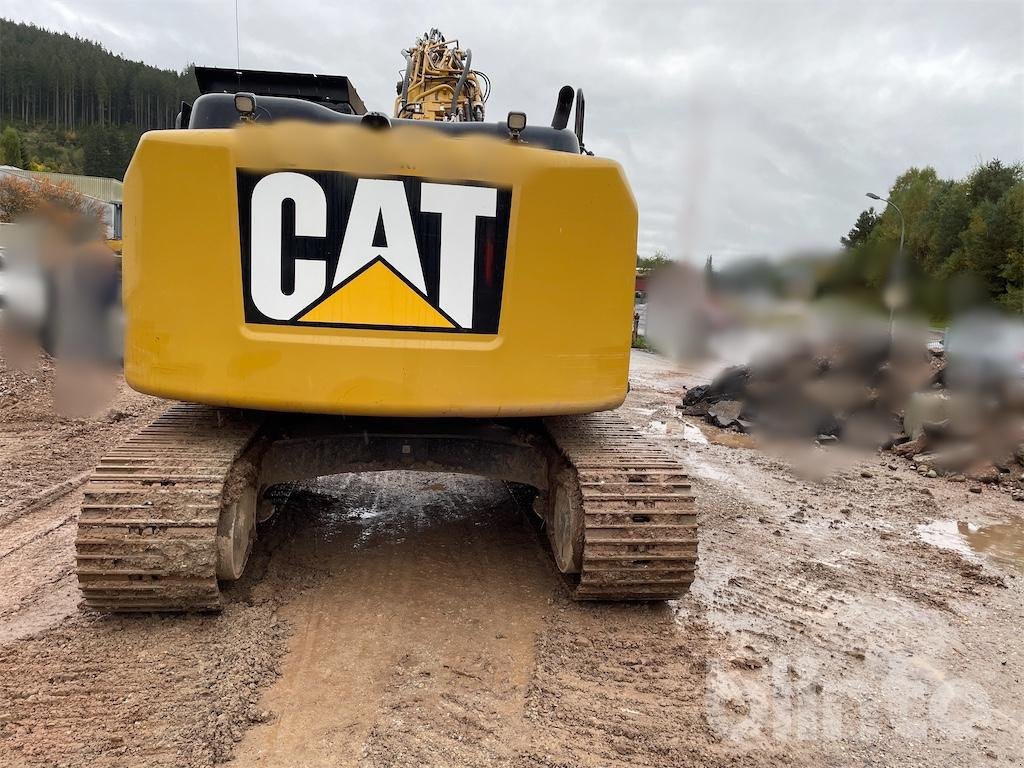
[{"x": 895, "y": 294}]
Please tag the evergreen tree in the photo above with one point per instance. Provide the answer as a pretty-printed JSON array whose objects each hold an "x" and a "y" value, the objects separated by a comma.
[
  {"x": 108, "y": 150},
  {"x": 971, "y": 228},
  {"x": 54, "y": 88},
  {"x": 10, "y": 148},
  {"x": 861, "y": 229},
  {"x": 991, "y": 180},
  {"x": 646, "y": 264}
]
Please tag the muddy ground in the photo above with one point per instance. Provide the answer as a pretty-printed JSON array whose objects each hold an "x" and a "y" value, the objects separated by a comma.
[{"x": 847, "y": 612}]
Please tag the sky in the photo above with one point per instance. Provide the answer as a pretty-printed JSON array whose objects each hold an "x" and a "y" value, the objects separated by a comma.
[{"x": 745, "y": 128}]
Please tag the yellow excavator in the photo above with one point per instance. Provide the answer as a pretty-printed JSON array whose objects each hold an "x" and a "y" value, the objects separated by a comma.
[{"x": 327, "y": 290}]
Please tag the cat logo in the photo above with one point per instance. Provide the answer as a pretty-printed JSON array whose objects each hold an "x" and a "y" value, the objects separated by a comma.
[{"x": 401, "y": 253}]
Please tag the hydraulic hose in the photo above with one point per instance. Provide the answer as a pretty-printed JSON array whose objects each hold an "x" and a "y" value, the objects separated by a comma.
[
  {"x": 405, "y": 81},
  {"x": 462, "y": 82}
]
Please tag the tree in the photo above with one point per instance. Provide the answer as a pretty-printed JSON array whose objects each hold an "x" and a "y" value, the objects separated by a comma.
[
  {"x": 948, "y": 216},
  {"x": 646, "y": 264},
  {"x": 108, "y": 150},
  {"x": 21, "y": 197},
  {"x": 10, "y": 148},
  {"x": 956, "y": 230},
  {"x": 861, "y": 229},
  {"x": 991, "y": 180},
  {"x": 18, "y": 197},
  {"x": 995, "y": 233},
  {"x": 1013, "y": 273},
  {"x": 54, "y": 87}
]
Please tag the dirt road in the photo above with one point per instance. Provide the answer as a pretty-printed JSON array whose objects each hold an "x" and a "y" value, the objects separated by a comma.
[{"x": 839, "y": 618}]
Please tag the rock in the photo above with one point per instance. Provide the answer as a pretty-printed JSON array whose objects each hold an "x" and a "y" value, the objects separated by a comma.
[
  {"x": 866, "y": 474},
  {"x": 697, "y": 409},
  {"x": 930, "y": 407},
  {"x": 975, "y": 489},
  {"x": 936, "y": 428},
  {"x": 725, "y": 413},
  {"x": 983, "y": 472},
  {"x": 931, "y": 473},
  {"x": 911, "y": 447},
  {"x": 953, "y": 458},
  {"x": 696, "y": 394},
  {"x": 731, "y": 384}
]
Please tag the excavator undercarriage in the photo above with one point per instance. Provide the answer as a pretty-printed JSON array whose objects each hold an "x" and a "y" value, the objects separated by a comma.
[{"x": 172, "y": 513}]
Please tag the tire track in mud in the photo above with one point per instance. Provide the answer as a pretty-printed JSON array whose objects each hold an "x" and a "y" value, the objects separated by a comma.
[
  {"x": 840, "y": 630},
  {"x": 81, "y": 689},
  {"x": 417, "y": 644},
  {"x": 37, "y": 568}
]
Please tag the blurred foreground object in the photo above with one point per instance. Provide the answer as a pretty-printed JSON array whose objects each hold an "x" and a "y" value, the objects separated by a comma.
[
  {"x": 954, "y": 408},
  {"x": 61, "y": 290},
  {"x": 975, "y": 426}
]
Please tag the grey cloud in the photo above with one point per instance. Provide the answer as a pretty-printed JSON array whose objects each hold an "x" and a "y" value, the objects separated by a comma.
[{"x": 751, "y": 127}]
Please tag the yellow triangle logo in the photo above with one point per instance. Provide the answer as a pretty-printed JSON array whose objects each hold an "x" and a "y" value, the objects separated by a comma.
[{"x": 376, "y": 297}]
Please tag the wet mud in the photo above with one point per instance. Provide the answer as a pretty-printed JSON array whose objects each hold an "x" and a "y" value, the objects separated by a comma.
[{"x": 400, "y": 619}]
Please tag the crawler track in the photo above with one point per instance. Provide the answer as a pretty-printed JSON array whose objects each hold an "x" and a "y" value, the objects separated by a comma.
[
  {"x": 147, "y": 534},
  {"x": 156, "y": 511},
  {"x": 639, "y": 521}
]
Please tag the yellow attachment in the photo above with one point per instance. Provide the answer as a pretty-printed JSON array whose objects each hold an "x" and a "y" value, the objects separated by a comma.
[{"x": 562, "y": 339}]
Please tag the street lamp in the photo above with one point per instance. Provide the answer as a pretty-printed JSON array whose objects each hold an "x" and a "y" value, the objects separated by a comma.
[{"x": 895, "y": 294}]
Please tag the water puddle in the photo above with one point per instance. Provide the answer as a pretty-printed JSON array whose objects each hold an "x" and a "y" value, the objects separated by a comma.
[
  {"x": 692, "y": 434},
  {"x": 705, "y": 470},
  {"x": 1002, "y": 542}
]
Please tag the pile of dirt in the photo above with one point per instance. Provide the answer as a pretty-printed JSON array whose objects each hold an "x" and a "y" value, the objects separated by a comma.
[
  {"x": 965, "y": 437},
  {"x": 838, "y": 388},
  {"x": 869, "y": 395}
]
